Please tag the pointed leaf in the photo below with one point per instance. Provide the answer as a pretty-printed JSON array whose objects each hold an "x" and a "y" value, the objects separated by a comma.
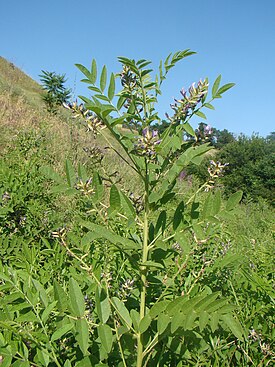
[
  {"x": 224, "y": 88},
  {"x": 115, "y": 203},
  {"x": 216, "y": 86},
  {"x": 61, "y": 331},
  {"x": 93, "y": 72},
  {"x": 234, "y": 200},
  {"x": 46, "y": 313},
  {"x": 145, "y": 323},
  {"x": 103, "y": 78},
  {"x": 209, "y": 105},
  {"x": 234, "y": 325},
  {"x": 106, "y": 336},
  {"x": 103, "y": 232},
  {"x": 76, "y": 298},
  {"x": 163, "y": 322},
  {"x": 60, "y": 296},
  {"x": 70, "y": 173},
  {"x": 82, "y": 335},
  {"x": 111, "y": 89},
  {"x": 200, "y": 114},
  {"x": 102, "y": 305},
  {"x": 84, "y": 70},
  {"x": 188, "y": 128},
  {"x": 122, "y": 311}
]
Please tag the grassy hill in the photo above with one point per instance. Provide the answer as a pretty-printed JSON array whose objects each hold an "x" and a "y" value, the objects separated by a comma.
[{"x": 18, "y": 84}]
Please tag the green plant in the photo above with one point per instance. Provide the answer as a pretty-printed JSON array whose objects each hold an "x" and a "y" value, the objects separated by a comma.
[
  {"x": 139, "y": 280},
  {"x": 56, "y": 92}
]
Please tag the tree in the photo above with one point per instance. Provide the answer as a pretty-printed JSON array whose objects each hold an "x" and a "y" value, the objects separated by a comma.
[
  {"x": 56, "y": 92},
  {"x": 251, "y": 166}
]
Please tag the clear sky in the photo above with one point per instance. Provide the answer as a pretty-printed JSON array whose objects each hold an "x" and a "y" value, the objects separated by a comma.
[{"x": 235, "y": 38}]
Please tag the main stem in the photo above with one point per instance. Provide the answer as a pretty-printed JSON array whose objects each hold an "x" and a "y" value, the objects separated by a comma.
[{"x": 143, "y": 270}]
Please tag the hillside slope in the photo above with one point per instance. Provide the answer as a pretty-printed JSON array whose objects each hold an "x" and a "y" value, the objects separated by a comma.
[{"x": 18, "y": 84}]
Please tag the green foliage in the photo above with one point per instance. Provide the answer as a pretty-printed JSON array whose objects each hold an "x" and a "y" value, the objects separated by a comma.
[
  {"x": 155, "y": 277},
  {"x": 56, "y": 92},
  {"x": 251, "y": 167}
]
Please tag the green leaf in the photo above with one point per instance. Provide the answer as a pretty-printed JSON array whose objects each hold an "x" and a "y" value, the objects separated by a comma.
[
  {"x": 207, "y": 207},
  {"x": 82, "y": 173},
  {"x": 145, "y": 323},
  {"x": 177, "y": 321},
  {"x": 209, "y": 105},
  {"x": 178, "y": 216},
  {"x": 224, "y": 88},
  {"x": 152, "y": 264},
  {"x": 60, "y": 296},
  {"x": 106, "y": 336},
  {"x": 98, "y": 186},
  {"x": 203, "y": 320},
  {"x": 103, "y": 78},
  {"x": 49, "y": 173},
  {"x": 122, "y": 311},
  {"x": 161, "y": 222},
  {"x": 233, "y": 200},
  {"x": 27, "y": 317},
  {"x": 121, "y": 102},
  {"x": 102, "y": 305},
  {"x": 42, "y": 293},
  {"x": 190, "y": 319},
  {"x": 115, "y": 203},
  {"x": 163, "y": 322},
  {"x": 76, "y": 299},
  {"x": 234, "y": 325},
  {"x": 70, "y": 174},
  {"x": 82, "y": 335},
  {"x": 127, "y": 206},
  {"x": 217, "y": 200},
  {"x": 84, "y": 70},
  {"x": 209, "y": 299},
  {"x": 42, "y": 357},
  {"x": 93, "y": 72},
  {"x": 112, "y": 86},
  {"x": 188, "y": 128},
  {"x": 103, "y": 232},
  {"x": 158, "y": 308},
  {"x": 200, "y": 114},
  {"x": 61, "y": 331},
  {"x": 216, "y": 86},
  {"x": 214, "y": 321},
  {"x": 46, "y": 313},
  {"x": 135, "y": 319},
  {"x": 20, "y": 363}
]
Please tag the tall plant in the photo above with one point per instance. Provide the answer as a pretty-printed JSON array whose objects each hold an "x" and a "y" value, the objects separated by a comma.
[
  {"x": 158, "y": 161},
  {"x": 138, "y": 266}
]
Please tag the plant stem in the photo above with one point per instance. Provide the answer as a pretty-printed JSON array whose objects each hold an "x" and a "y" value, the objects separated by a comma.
[{"x": 143, "y": 270}]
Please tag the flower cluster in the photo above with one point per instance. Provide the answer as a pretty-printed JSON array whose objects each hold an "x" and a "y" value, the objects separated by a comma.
[
  {"x": 85, "y": 187},
  {"x": 146, "y": 145},
  {"x": 183, "y": 107},
  {"x": 94, "y": 123},
  {"x": 216, "y": 169},
  {"x": 128, "y": 78}
]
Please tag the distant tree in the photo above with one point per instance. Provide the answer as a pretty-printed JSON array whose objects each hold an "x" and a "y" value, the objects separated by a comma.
[
  {"x": 222, "y": 137},
  {"x": 251, "y": 166},
  {"x": 56, "y": 92}
]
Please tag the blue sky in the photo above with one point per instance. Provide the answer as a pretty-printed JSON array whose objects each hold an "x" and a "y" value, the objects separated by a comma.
[{"x": 234, "y": 38}]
